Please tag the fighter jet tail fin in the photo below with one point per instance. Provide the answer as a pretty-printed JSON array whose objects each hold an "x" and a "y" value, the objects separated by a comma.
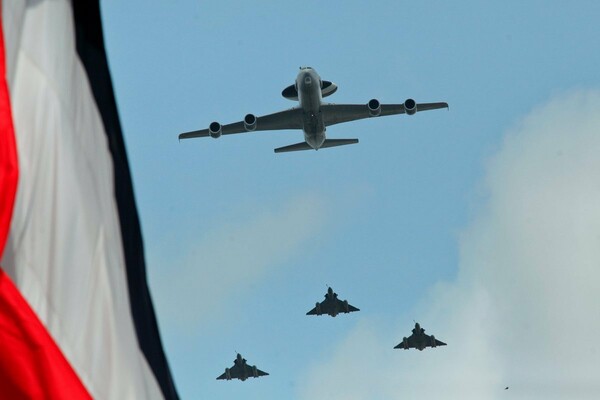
[{"x": 306, "y": 146}]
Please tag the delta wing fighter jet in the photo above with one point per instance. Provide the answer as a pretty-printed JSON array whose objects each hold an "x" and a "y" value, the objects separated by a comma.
[
  {"x": 241, "y": 370},
  {"x": 312, "y": 116},
  {"x": 332, "y": 305},
  {"x": 419, "y": 340}
]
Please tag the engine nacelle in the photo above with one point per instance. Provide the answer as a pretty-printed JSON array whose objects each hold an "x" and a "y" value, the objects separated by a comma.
[
  {"x": 250, "y": 122},
  {"x": 214, "y": 130},
  {"x": 346, "y": 308},
  {"x": 318, "y": 307},
  {"x": 433, "y": 341},
  {"x": 254, "y": 371},
  {"x": 374, "y": 107},
  {"x": 227, "y": 374},
  {"x": 410, "y": 106},
  {"x": 405, "y": 343}
]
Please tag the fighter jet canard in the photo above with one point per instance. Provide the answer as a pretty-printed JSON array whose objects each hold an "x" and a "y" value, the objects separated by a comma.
[
  {"x": 241, "y": 370},
  {"x": 419, "y": 340},
  {"x": 332, "y": 305},
  {"x": 312, "y": 116}
]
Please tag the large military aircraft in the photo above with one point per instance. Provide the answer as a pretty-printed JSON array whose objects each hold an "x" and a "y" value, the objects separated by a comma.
[
  {"x": 241, "y": 370},
  {"x": 332, "y": 305},
  {"x": 419, "y": 340},
  {"x": 312, "y": 115}
]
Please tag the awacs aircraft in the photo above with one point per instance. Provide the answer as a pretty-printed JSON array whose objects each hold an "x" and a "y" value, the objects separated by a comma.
[
  {"x": 332, "y": 305},
  {"x": 312, "y": 115},
  {"x": 241, "y": 370},
  {"x": 419, "y": 340}
]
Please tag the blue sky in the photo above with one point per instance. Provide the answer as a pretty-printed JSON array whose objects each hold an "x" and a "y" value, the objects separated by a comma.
[{"x": 241, "y": 242}]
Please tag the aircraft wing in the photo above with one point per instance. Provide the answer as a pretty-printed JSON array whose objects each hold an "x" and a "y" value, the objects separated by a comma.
[
  {"x": 222, "y": 376},
  {"x": 410, "y": 341},
  {"x": 312, "y": 312},
  {"x": 235, "y": 372},
  {"x": 428, "y": 341},
  {"x": 342, "y": 307},
  {"x": 338, "y": 113},
  {"x": 325, "y": 307},
  {"x": 288, "y": 119}
]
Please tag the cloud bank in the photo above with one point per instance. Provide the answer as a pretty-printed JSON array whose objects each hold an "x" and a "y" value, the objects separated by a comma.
[
  {"x": 524, "y": 310},
  {"x": 229, "y": 258}
]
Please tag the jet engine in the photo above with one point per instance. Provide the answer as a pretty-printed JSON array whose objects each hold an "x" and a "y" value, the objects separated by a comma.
[
  {"x": 318, "y": 307},
  {"x": 254, "y": 371},
  {"x": 214, "y": 130},
  {"x": 410, "y": 106},
  {"x": 227, "y": 374},
  {"x": 250, "y": 122},
  {"x": 374, "y": 107},
  {"x": 433, "y": 341},
  {"x": 346, "y": 308}
]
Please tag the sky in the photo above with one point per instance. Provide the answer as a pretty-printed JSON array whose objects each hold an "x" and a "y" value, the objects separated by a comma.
[{"x": 481, "y": 222}]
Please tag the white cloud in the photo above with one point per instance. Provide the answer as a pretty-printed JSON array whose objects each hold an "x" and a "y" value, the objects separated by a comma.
[
  {"x": 524, "y": 311},
  {"x": 231, "y": 257}
]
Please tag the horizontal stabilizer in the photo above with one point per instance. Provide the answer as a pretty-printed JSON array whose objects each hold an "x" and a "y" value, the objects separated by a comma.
[
  {"x": 338, "y": 142},
  {"x": 293, "y": 147},
  {"x": 306, "y": 146}
]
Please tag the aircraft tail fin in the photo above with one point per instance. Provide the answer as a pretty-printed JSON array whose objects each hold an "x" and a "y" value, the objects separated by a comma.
[{"x": 306, "y": 146}]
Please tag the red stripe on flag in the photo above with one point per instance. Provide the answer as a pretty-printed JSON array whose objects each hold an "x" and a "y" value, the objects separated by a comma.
[{"x": 31, "y": 364}]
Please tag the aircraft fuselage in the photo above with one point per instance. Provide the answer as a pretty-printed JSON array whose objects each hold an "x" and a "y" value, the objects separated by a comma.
[{"x": 308, "y": 84}]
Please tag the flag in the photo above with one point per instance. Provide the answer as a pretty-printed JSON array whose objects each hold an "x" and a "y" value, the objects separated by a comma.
[{"x": 76, "y": 316}]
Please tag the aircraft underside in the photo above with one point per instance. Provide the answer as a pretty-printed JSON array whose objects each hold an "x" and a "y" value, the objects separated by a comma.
[{"x": 312, "y": 115}]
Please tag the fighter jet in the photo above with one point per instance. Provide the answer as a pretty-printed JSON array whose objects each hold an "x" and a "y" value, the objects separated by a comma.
[
  {"x": 241, "y": 370},
  {"x": 312, "y": 116},
  {"x": 332, "y": 305},
  {"x": 419, "y": 340}
]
